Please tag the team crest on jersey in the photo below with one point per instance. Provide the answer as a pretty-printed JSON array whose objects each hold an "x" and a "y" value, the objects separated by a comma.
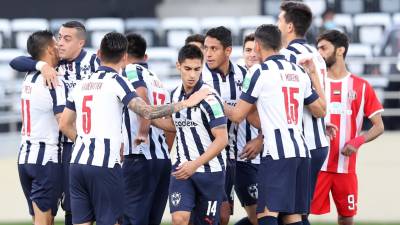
[
  {"x": 253, "y": 191},
  {"x": 239, "y": 84},
  {"x": 85, "y": 69},
  {"x": 352, "y": 95},
  {"x": 175, "y": 198}
]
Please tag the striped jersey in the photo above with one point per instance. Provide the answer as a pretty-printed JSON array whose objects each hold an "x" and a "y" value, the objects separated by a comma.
[
  {"x": 280, "y": 89},
  {"x": 313, "y": 128},
  {"x": 98, "y": 103},
  {"x": 140, "y": 76},
  {"x": 350, "y": 99},
  {"x": 229, "y": 88},
  {"x": 40, "y": 136},
  {"x": 193, "y": 128},
  {"x": 74, "y": 71}
]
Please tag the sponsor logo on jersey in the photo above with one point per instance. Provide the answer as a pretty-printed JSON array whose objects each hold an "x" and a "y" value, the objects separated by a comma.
[{"x": 185, "y": 123}]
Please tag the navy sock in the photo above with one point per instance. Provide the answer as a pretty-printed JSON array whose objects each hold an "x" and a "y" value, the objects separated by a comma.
[
  {"x": 243, "y": 221},
  {"x": 268, "y": 220},
  {"x": 68, "y": 218},
  {"x": 305, "y": 220}
]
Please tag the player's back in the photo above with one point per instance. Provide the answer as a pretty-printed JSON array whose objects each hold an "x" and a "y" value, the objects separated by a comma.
[
  {"x": 98, "y": 103},
  {"x": 40, "y": 133},
  {"x": 282, "y": 89},
  {"x": 314, "y": 128}
]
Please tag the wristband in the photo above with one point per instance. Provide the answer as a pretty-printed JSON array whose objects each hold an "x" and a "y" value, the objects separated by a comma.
[
  {"x": 357, "y": 141},
  {"x": 39, "y": 65}
]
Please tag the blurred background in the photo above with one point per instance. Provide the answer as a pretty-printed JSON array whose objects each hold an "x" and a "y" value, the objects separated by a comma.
[{"x": 374, "y": 53}]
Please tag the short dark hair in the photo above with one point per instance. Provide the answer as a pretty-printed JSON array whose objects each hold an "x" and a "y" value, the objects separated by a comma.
[
  {"x": 113, "y": 47},
  {"x": 337, "y": 38},
  {"x": 195, "y": 38},
  {"x": 136, "y": 45},
  {"x": 38, "y": 42},
  {"x": 249, "y": 37},
  {"x": 78, "y": 26},
  {"x": 222, "y": 34},
  {"x": 270, "y": 37},
  {"x": 189, "y": 52},
  {"x": 299, "y": 14}
]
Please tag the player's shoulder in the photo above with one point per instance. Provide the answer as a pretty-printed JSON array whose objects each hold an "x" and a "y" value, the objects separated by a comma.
[
  {"x": 358, "y": 80},
  {"x": 239, "y": 69}
]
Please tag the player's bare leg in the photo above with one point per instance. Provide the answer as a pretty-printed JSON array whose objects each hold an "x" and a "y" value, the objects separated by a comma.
[
  {"x": 289, "y": 219},
  {"x": 251, "y": 213},
  {"x": 42, "y": 218},
  {"x": 180, "y": 218},
  {"x": 225, "y": 213},
  {"x": 345, "y": 220}
]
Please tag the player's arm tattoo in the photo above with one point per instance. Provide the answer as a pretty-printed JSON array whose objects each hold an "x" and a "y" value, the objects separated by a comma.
[{"x": 140, "y": 107}]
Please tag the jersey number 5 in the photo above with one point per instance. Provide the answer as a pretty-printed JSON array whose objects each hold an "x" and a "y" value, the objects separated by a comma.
[
  {"x": 291, "y": 104},
  {"x": 86, "y": 114}
]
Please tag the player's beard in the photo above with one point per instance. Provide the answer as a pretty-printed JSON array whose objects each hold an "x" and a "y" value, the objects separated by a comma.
[{"x": 331, "y": 60}]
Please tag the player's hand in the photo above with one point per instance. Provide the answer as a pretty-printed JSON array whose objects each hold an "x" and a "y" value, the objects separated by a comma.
[
  {"x": 185, "y": 170},
  {"x": 331, "y": 130},
  {"x": 252, "y": 148},
  {"x": 308, "y": 64},
  {"x": 197, "y": 97},
  {"x": 50, "y": 76},
  {"x": 348, "y": 150}
]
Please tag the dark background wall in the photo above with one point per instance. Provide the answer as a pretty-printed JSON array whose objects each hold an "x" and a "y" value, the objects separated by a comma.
[{"x": 77, "y": 8}]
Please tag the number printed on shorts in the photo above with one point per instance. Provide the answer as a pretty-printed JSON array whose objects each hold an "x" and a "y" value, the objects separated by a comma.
[
  {"x": 212, "y": 208},
  {"x": 351, "y": 201}
]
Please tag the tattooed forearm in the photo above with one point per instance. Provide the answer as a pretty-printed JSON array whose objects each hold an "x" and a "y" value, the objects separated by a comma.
[{"x": 152, "y": 112}]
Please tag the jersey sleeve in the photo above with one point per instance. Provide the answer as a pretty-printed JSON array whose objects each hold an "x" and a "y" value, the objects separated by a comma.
[
  {"x": 372, "y": 104},
  {"x": 124, "y": 90},
  {"x": 310, "y": 95},
  {"x": 135, "y": 76},
  {"x": 23, "y": 64},
  {"x": 252, "y": 87},
  {"x": 58, "y": 96},
  {"x": 214, "y": 111}
]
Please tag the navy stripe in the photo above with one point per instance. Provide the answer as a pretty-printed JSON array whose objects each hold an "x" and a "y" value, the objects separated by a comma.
[
  {"x": 197, "y": 140},
  {"x": 35, "y": 76},
  {"x": 293, "y": 49},
  {"x": 280, "y": 66},
  {"x": 310, "y": 99},
  {"x": 264, "y": 66},
  {"x": 91, "y": 151},
  {"x": 308, "y": 48},
  {"x": 296, "y": 146},
  {"x": 293, "y": 58},
  {"x": 161, "y": 140},
  {"x": 184, "y": 145},
  {"x": 42, "y": 148},
  {"x": 19, "y": 152},
  {"x": 152, "y": 145},
  {"x": 123, "y": 84},
  {"x": 294, "y": 67},
  {"x": 279, "y": 144},
  {"x": 92, "y": 67},
  {"x": 59, "y": 150},
  {"x": 244, "y": 71},
  {"x": 78, "y": 70},
  {"x": 28, "y": 150},
  {"x": 216, "y": 82},
  {"x": 211, "y": 136},
  {"x": 208, "y": 109},
  {"x": 106, "y": 152},
  {"x": 305, "y": 147},
  {"x": 101, "y": 76},
  {"x": 127, "y": 122},
  {"x": 316, "y": 133},
  {"x": 70, "y": 105},
  {"x": 235, "y": 146},
  {"x": 139, "y": 73},
  {"x": 232, "y": 86},
  {"x": 178, "y": 156},
  {"x": 78, "y": 156},
  {"x": 248, "y": 132}
]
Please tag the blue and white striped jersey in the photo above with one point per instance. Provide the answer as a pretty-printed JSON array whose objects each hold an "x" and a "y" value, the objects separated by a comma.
[
  {"x": 280, "y": 89},
  {"x": 313, "y": 128},
  {"x": 40, "y": 136},
  {"x": 98, "y": 103},
  {"x": 229, "y": 89},
  {"x": 74, "y": 71},
  {"x": 193, "y": 128},
  {"x": 140, "y": 76}
]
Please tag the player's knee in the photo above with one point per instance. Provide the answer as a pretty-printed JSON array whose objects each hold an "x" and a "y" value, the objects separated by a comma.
[
  {"x": 179, "y": 219},
  {"x": 345, "y": 220},
  {"x": 224, "y": 218},
  {"x": 253, "y": 220}
]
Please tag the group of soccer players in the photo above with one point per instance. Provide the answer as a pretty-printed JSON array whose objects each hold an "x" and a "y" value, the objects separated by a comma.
[{"x": 99, "y": 135}]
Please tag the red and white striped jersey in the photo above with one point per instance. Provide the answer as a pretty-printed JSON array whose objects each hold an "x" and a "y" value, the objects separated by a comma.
[{"x": 349, "y": 100}]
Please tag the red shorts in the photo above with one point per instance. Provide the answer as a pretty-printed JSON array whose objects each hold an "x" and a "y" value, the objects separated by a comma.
[{"x": 344, "y": 192}]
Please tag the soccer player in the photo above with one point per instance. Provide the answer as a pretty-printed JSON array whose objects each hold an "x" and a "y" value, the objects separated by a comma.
[
  {"x": 75, "y": 65},
  {"x": 197, "y": 181},
  {"x": 39, "y": 158},
  {"x": 293, "y": 21},
  {"x": 350, "y": 98},
  {"x": 279, "y": 89},
  {"x": 226, "y": 78},
  {"x": 147, "y": 166},
  {"x": 195, "y": 39},
  {"x": 249, "y": 145},
  {"x": 92, "y": 118}
]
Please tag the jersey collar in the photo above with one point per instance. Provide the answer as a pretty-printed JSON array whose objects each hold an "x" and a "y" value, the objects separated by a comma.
[
  {"x": 298, "y": 40},
  {"x": 231, "y": 69},
  {"x": 196, "y": 88},
  {"x": 144, "y": 64},
  {"x": 106, "y": 69},
  {"x": 78, "y": 59},
  {"x": 275, "y": 57}
]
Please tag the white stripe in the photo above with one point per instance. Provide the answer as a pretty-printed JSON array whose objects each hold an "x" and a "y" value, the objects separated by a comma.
[{"x": 343, "y": 123}]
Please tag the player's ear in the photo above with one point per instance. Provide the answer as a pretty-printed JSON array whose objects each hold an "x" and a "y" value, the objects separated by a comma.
[
  {"x": 290, "y": 27},
  {"x": 178, "y": 66},
  {"x": 145, "y": 57},
  {"x": 340, "y": 51},
  {"x": 228, "y": 50},
  {"x": 99, "y": 54}
]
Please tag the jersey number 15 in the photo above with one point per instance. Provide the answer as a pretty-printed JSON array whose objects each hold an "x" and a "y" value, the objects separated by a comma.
[{"x": 291, "y": 104}]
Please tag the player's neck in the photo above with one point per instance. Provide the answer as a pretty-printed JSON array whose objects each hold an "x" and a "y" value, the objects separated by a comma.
[
  {"x": 134, "y": 60},
  {"x": 267, "y": 53},
  {"x": 188, "y": 90},
  {"x": 290, "y": 37},
  {"x": 48, "y": 59},
  {"x": 77, "y": 53},
  {"x": 337, "y": 71},
  {"x": 224, "y": 68},
  {"x": 117, "y": 67}
]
